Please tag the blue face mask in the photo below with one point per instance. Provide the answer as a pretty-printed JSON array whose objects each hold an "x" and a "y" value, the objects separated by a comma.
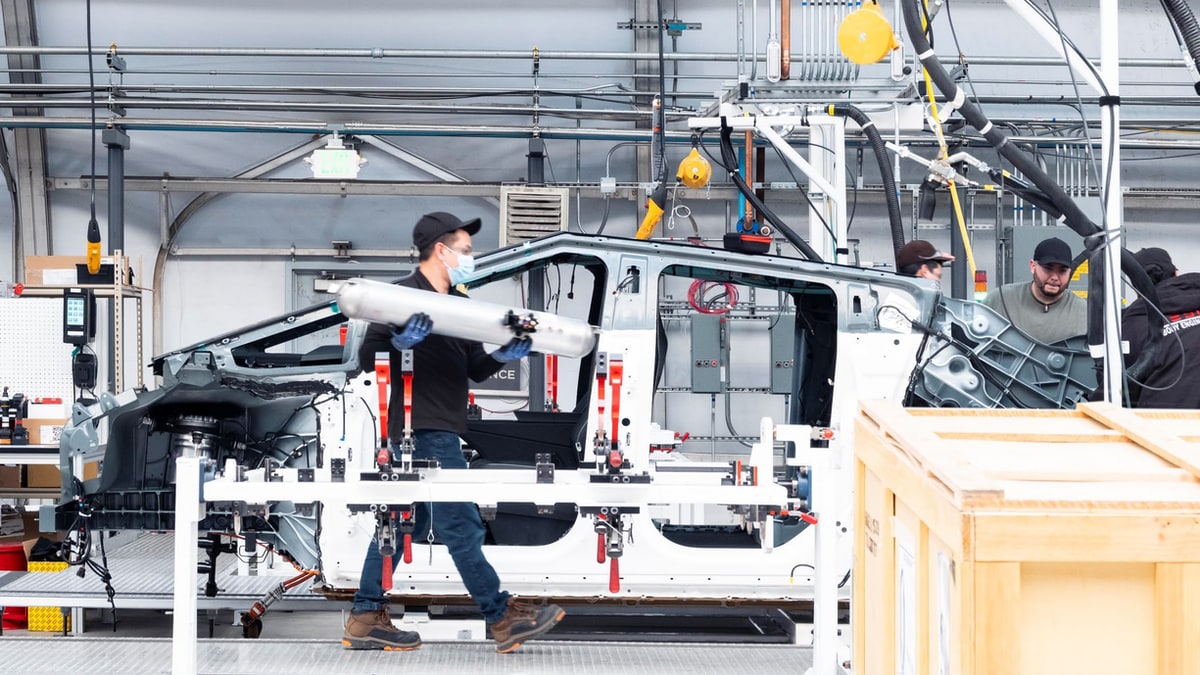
[{"x": 460, "y": 274}]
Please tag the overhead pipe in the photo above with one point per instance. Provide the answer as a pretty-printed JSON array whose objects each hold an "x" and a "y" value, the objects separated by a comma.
[
  {"x": 785, "y": 39},
  {"x": 773, "y": 48}
]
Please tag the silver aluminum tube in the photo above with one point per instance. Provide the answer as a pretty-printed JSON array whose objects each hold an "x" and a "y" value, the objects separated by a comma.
[{"x": 465, "y": 318}]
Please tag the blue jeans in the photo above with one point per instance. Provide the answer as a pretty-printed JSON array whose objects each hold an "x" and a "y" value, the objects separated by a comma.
[{"x": 458, "y": 526}]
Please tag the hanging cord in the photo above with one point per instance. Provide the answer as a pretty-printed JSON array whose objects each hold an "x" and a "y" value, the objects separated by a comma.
[
  {"x": 943, "y": 153},
  {"x": 93, "y": 228},
  {"x": 77, "y": 553}
]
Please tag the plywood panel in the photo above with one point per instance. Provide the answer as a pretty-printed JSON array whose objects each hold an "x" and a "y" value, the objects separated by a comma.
[
  {"x": 998, "y": 595},
  {"x": 1094, "y": 619},
  {"x": 1178, "y": 618},
  {"x": 1088, "y": 538}
]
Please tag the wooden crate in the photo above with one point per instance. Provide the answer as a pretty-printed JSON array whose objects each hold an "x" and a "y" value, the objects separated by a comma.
[{"x": 1027, "y": 542}]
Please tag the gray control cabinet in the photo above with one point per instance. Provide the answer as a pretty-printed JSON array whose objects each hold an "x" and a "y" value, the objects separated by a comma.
[
  {"x": 706, "y": 353},
  {"x": 783, "y": 354}
]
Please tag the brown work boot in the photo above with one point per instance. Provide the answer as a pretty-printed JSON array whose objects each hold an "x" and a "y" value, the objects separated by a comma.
[
  {"x": 374, "y": 630},
  {"x": 524, "y": 621}
]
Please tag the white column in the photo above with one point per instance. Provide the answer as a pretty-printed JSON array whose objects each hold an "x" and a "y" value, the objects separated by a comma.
[
  {"x": 1114, "y": 366},
  {"x": 188, "y": 511}
]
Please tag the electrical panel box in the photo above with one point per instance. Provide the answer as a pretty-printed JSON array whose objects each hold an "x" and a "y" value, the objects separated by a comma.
[
  {"x": 706, "y": 353},
  {"x": 783, "y": 354}
]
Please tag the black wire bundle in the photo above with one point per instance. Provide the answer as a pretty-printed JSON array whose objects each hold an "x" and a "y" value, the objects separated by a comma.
[{"x": 77, "y": 553}]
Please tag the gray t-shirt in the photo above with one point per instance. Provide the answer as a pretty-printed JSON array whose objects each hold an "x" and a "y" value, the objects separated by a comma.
[{"x": 1045, "y": 323}]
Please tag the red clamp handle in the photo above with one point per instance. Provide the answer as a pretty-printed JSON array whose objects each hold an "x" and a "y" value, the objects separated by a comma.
[
  {"x": 383, "y": 458},
  {"x": 387, "y": 572},
  {"x": 407, "y": 548},
  {"x": 600, "y": 548},
  {"x": 614, "y": 576},
  {"x": 808, "y": 518}
]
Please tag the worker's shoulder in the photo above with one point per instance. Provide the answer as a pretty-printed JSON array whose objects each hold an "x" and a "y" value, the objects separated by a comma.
[{"x": 992, "y": 299}]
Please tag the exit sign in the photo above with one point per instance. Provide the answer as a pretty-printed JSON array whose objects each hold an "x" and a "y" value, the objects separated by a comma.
[{"x": 335, "y": 163}]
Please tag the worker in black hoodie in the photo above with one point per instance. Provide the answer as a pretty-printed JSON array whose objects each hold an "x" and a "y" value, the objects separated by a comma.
[{"x": 1166, "y": 383}]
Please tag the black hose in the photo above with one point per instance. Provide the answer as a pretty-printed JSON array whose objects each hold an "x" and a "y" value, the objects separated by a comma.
[
  {"x": 1185, "y": 22},
  {"x": 729, "y": 163},
  {"x": 1097, "y": 266},
  {"x": 1072, "y": 215},
  {"x": 660, "y": 115},
  {"x": 895, "y": 219}
]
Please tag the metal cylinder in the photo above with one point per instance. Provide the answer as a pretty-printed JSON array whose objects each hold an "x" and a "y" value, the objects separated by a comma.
[{"x": 464, "y": 318}]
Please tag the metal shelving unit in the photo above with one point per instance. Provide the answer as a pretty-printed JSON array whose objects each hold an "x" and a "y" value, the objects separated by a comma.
[{"x": 119, "y": 292}]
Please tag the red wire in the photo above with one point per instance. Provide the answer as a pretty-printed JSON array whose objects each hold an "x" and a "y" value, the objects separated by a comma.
[{"x": 696, "y": 296}]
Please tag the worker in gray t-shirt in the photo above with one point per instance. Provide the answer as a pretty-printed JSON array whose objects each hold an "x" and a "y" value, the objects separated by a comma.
[{"x": 1044, "y": 310}]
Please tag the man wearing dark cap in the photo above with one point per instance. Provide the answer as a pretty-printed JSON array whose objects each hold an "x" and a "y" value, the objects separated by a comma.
[
  {"x": 919, "y": 258},
  {"x": 1166, "y": 383},
  {"x": 1044, "y": 309},
  {"x": 441, "y": 367}
]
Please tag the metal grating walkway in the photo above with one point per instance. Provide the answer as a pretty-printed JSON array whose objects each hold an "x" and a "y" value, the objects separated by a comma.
[
  {"x": 142, "y": 574},
  {"x": 35, "y": 656}
]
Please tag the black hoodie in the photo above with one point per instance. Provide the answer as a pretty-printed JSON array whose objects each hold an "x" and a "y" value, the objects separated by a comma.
[{"x": 1167, "y": 384}]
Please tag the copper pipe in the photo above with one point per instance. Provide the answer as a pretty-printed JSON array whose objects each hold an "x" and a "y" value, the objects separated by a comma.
[{"x": 785, "y": 39}]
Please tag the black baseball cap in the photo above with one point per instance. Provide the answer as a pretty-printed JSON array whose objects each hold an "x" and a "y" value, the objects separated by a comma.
[
  {"x": 432, "y": 226},
  {"x": 919, "y": 251},
  {"x": 1053, "y": 251},
  {"x": 1149, "y": 257}
]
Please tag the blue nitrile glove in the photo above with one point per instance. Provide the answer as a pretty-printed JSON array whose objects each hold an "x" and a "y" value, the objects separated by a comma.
[
  {"x": 517, "y": 348},
  {"x": 414, "y": 330}
]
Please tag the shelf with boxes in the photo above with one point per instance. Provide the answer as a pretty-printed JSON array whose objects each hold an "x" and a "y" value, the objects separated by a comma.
[{"x": 30, "y": 470}]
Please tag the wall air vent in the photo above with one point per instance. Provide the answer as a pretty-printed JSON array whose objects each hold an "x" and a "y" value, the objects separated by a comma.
[{"x": 531, "y": 212}]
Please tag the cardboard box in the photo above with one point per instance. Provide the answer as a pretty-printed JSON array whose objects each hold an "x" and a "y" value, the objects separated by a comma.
[
  {"x": 10, "y": 476},
  {"x": 45, "y": 431},
  {"x": 1026, "y": 542},
  {"x": 62, "y": 270},
  {"x": 43, "y": 476}
]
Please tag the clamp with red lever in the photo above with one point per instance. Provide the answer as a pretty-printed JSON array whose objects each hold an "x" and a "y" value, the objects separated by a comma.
[
  {"x": 407, "y": 446},
  {"x": 383, "y": 381},
  {"x": 385, "y": 536},
  {"x": 611, "y": 531},
  {"x": 386, "y": 463}
]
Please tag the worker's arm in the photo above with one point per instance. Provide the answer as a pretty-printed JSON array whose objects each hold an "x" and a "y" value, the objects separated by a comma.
[{"x": 480, "y": 364}]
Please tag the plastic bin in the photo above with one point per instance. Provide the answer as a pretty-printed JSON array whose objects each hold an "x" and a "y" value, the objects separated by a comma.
[{"x": 12, "y": 559}]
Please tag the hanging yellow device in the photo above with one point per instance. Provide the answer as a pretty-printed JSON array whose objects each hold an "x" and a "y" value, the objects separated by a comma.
[
  {"x": 694, "y": 171},
  {"x": 865, "y": 36}
]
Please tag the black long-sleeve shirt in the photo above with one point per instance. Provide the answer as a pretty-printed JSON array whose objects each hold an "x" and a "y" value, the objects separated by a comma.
[{"x": 441, "y": 367}]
